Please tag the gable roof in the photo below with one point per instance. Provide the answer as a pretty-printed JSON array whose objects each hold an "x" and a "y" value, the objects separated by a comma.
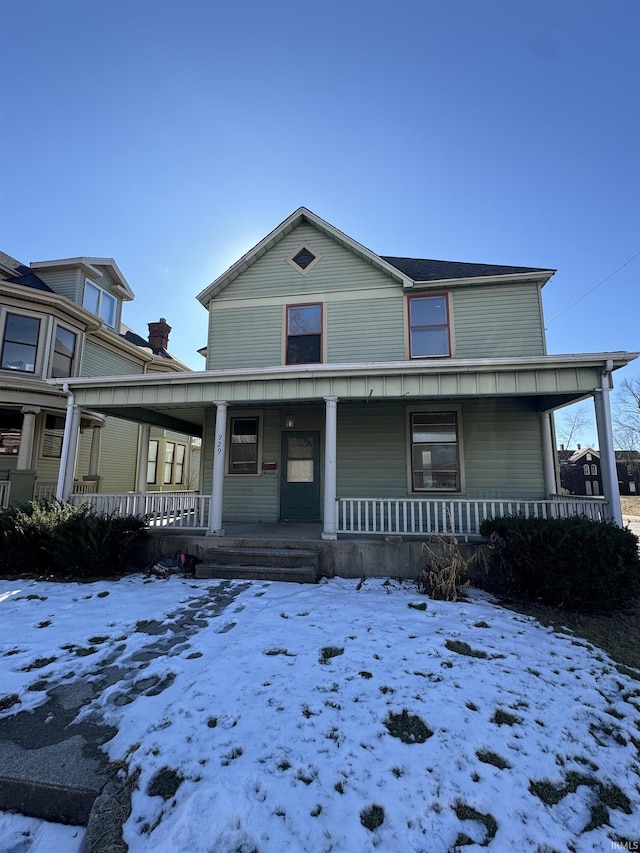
[
  {"x": 423, "y": 269},
  {"x": 300, "y": 216},
  {"x": 14, "y": 272},
  {"x": 90, "y": 267},
  {"x": 407, "y": 271}
]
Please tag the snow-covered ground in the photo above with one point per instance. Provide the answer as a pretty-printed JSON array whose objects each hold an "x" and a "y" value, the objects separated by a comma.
[{"x": 340, "y": 717}]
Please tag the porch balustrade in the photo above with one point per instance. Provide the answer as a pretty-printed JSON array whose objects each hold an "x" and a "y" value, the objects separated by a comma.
[
  {"x": 45, "y": 491},
  {"x": 184, "y": 510},
  {"x": 363, "y": 516},
  {"x": 426, "y": 516}
]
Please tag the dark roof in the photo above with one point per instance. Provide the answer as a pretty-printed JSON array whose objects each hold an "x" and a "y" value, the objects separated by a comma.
[
  {"x": 135, "y": 339},
  {"x": 17, "y": 273},
  {"x": 422, "y": 269}
]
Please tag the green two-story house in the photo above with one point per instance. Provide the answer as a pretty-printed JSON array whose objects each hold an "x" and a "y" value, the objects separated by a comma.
[
  {"x": 59, "y": 320},
  {"x": 370, "y": 393}
]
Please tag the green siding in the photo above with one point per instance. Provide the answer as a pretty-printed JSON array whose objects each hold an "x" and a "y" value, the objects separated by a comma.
[
  {"x": 118, "y": 456},
  {"x": 365, "y": 330},
  {"x": 99, "y": 361},
  {"x": 503, "y": 448},
  {"x": 498, "y": 321},
  {"x": 371, "y": 451},
  {"x": 245, "y": 337},
  {"x": 63, "y": 282}
]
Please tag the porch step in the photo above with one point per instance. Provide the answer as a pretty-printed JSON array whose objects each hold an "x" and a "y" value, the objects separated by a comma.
[{"x": 296, "y": 565}]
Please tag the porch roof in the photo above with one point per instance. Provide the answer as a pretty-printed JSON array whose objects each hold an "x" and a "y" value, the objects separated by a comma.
[{"x": 179, "y": 400}]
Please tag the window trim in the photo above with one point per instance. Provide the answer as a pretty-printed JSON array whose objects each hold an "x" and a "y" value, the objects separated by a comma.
[
  {"x": 39, "y": 349},
  {"x": 286, "y": 332},
  {"x": 435, "y": 409},
  {"x": 295, "y": 266},
  {"x": 170, "y": 462},
  {"x": 75, "y": 358},
  {"x": 153, "y": 462},
  {"x": 102, "y": 292},
  {"x": 447, "y": 325},
  {"x": 244, "y": 414}
]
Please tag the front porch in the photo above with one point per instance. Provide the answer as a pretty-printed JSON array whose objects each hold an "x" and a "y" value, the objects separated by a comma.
[{"x": 361, "y": 517}]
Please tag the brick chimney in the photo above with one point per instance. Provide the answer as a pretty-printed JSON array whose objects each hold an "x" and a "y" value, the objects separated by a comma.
[{"x": 159, "y": 334}]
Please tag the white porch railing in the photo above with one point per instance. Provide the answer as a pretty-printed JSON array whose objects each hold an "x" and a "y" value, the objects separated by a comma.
[
  {"x": 45, "y": 491},
  {"x": 184, "y": 510},
  {"x": 5, "y": 490},
  {"x": 426, "y": 516}
]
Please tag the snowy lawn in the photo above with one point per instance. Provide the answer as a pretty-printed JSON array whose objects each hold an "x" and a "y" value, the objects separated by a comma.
[{"x": 338, "y": 717}]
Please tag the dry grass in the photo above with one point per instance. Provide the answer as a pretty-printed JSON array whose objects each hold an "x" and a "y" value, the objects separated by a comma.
[
  {"x": 630, "y": 505},
  {"x": 617, "y": 633}
]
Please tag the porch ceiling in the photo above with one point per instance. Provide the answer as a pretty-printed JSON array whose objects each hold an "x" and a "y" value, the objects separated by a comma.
[{"x": 179, "y": 400}]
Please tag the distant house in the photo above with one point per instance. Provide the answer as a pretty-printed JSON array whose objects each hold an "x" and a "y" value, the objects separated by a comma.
[
  {"x": 371, "y": 393},
  {"x": 628, "y": 466},
  {"x": 59, "y": 320},
  {"x": 580, "y": 472}
]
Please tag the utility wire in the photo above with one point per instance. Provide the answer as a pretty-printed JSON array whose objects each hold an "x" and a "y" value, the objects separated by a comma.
[{"x": 606, "y": 278}]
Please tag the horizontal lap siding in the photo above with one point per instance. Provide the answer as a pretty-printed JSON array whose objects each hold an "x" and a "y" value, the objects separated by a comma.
[
  {"x": 497, "y": 321},
  {"x": 251, "y": 497},
  {"x": 365, "y": 330},
  {"x": 252, "y": 335},
  {"x": 64, "y": 283},
  {"x": 245, "y": 337},
  {"x": 503, "y": 448},
  {"x": 98, "y": 361},
  {"x": 118, "y": 455},
  {"x": 371, "y": 454}
]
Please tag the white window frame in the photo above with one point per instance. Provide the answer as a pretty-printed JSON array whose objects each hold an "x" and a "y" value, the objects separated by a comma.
[{"x": 103, "y": 296}]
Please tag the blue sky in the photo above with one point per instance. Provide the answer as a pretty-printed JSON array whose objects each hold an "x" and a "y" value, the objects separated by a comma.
[{"x": 172, "y": 136}]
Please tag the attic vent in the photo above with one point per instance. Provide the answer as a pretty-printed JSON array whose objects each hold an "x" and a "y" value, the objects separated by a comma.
[{"x": 303, "y": 258}]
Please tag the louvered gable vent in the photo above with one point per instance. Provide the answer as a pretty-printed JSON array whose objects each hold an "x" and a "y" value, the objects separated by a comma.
[{"x": 303, "y": 258}]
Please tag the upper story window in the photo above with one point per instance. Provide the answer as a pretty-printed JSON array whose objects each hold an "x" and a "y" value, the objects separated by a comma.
[
  {"x": 99, "y": 302},
  {"x": 64, "y": 350},
  {"x": 585, "y": 470},
  {"x": 428, "y": 326},
  {"x": 20, "y": 343},
  {"x": 304, "y": 334}
]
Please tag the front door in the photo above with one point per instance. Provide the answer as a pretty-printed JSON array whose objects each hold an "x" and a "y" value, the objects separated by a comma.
[{"x": 300, "y": 481}]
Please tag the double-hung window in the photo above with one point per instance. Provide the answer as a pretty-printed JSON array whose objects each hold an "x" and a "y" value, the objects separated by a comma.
[
  {"x": 428, "y": 326},
  {"x": 20, "y": 343},
  {"x": 304, "y": 334},
  {"x": 99, "y": 302},
  {"x": 152, "y": 462},
  {"x": 169, "y": 461},
  {"x": 64, "y": 350},
  {"x": 243, "y": 446},
  {"x": 435, "y": 464}
]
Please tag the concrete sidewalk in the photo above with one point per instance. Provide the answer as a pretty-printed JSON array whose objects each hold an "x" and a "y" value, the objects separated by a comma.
[{"x": 52, "y": 767}]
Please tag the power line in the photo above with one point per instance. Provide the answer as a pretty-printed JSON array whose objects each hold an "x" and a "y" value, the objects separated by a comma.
[{"x": 606, "y": 278}]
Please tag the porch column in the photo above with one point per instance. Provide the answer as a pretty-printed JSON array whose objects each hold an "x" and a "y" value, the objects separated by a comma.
[
  {"x": 330, "y": 440},
  {"x": 94, "y": 456},
  {"x": 73, "y": 452},
  {"x": 25, "y": 451},
  {"x": 217, "y": 489},
  {"x": 608, "y": 470},
  {"x": 548, "y": 455},
  {"x": 143, "y": 459}
]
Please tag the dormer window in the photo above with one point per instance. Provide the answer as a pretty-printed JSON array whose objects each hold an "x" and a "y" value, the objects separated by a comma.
[
  {"x": 303, "y": 259},
  {"x": 99, "y": 302}
]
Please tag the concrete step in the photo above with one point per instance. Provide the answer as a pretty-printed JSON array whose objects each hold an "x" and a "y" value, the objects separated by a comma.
[
  {"x": 264, "y": 557},
  {"x": 239, "y": 571}
]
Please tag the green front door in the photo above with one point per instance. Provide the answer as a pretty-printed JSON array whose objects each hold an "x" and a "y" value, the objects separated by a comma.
[{"x": 300, "y": 480}]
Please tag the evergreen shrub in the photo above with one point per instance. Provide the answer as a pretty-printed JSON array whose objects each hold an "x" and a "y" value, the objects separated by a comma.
[
  {"x": 575, "y": 563},
  {"x": 56, "y": 539}
]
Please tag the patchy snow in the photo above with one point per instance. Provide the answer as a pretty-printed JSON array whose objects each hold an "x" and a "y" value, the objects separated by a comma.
[{"x": 275, "y": 717}]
